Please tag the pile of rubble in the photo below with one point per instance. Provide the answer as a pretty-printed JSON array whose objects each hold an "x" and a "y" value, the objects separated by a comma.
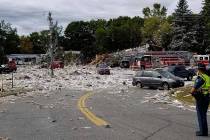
[
  {"x": 113, "y": 59},
  {"x": 71, "y": 77}
]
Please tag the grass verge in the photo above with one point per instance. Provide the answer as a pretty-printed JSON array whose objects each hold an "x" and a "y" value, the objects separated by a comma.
[
  {"x": 14, "y": 91},
  {"x": 183, "y": 94}
]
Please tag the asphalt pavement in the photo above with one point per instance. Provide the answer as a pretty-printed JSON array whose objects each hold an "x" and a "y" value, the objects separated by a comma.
[{"x": 59, "y": 117}]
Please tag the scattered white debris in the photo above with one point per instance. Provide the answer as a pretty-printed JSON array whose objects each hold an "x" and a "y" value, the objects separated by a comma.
[
  {"x": 3, "y": 111},
  {"x": 188, "y": 83},
  {"x": 187, "y": 95},
  {"x": 161, "y": 108},
  {"x": 178, "y": 91},
  {"x": 86, "y": 127},
  {"x": 160, "y": 97},
  {"x": 4, "y": 138},
  {"x": 81, "y": 118},
  {"x": 8, "y": 99},
  {"x": 74, "y": 128},
  {"x": 39, "y": 82},
  {"x": 146, "y": 101},
  {"x": 71, "y": 77},
  {"x": 165, "y": 98}
]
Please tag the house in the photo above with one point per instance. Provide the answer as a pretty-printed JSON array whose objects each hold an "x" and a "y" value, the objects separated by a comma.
[{"x": 25, "y": 59}]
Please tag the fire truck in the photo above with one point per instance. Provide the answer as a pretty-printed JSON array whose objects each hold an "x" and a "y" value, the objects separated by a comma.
[
  {"x": 161, "y": 59},
  {"x": 204, "y": 59}
]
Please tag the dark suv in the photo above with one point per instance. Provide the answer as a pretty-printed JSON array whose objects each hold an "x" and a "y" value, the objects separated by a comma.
[
  {"x": 181, "y": 71},
  {"x": 167, "y": 74},
  {"x": 152, "y": 79}
]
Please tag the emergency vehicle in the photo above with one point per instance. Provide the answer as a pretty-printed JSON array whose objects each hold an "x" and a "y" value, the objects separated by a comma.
[
  {"x": 160, "y": 59},
  {"x": 204, "y": 59}
]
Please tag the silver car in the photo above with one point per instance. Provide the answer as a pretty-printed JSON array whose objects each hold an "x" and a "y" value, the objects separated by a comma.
[{"x": 152, "y": 79}]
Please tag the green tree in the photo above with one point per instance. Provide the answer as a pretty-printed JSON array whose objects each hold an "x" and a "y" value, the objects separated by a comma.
[
  {"x": 124, "y": 33},
  {"x": 166, "y": 35},
  {"x": 157, "y": 29},
  {"x": 2, "y": 40},
  {"x": 9, "y": 38},
  {"x": 40, "y": 41},
  {"x": 101, "y": 39},
  {"x": 182, "y": 27},
  {"x": 95, "y": 24},
  {"x": 79, "y": 35},
  {"x": 157, "y": 11},
  {"x": 205, "y": 13},
  {"x": 101, "y": 36}
]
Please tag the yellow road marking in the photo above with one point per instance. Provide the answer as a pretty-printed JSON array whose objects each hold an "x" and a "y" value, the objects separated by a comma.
[{"x": 93, "y": 118}]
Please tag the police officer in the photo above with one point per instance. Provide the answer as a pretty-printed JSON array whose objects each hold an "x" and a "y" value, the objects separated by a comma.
[{"x": 201, "y": 93}]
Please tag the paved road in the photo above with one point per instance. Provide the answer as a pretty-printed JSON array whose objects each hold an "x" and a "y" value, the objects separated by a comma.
[{"x": 57, "y": 117}]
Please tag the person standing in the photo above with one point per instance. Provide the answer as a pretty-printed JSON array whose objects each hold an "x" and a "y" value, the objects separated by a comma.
[{"x": 200, "y": 92}]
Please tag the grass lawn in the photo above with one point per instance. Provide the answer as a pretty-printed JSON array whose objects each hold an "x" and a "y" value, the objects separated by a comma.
[
  {"x": 14, "y": 91},
  {"x": 183, "y": 95}
]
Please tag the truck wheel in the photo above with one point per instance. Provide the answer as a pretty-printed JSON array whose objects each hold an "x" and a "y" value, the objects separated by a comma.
[
  {"x": 139, "y": 85},
  {"x": 189, "y": 78},
  {"x": 165, "y": 86}
]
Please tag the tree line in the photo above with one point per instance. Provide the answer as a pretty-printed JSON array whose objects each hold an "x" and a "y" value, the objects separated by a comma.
[{"x": 182, "y": 30}]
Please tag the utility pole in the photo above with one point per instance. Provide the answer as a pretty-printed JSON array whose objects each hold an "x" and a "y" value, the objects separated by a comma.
[
  {"x": 56, "y": 35},
  {"x": 51, "y": 43},
  {"x": 2, "y": 84}
]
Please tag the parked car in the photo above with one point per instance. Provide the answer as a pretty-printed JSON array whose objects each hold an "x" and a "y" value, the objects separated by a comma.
[
  {"x": 125, "y": 62},
  {"x": 12, "y": 65},
  {"x": 193, "y": 70},
  {"x": 5, "y": 69},
  {"x": 1, "y": 68},
  {"x": 166, "y": 74},
  {"x": 9, "y": 67},
  {"x": 103, "y": 69},
  {"x": 152, "y": 79},
  {"x": 181, "y": 71},
  {"x": 57, "y": 64}
]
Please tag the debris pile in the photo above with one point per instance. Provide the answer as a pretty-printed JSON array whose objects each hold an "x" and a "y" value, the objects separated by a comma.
[
  {"x": 165, "y": 98},
  {"x": 99, "y": 59},
  {"x": 71, "y": 77}
]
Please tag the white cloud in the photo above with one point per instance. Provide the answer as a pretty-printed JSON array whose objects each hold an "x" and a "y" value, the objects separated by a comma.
[{"x": 31, "y": 15}]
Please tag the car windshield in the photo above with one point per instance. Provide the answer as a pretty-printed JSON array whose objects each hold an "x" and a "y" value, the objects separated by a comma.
[{"x": 166, "y": 74}]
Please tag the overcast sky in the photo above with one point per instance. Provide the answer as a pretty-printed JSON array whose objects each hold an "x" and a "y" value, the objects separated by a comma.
[{"x": 31, "y": 15}]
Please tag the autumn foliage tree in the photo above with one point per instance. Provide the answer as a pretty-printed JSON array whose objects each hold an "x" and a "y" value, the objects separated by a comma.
[
  {"x": 156, "y": 27},
  {"x": 26, "y": 45}
]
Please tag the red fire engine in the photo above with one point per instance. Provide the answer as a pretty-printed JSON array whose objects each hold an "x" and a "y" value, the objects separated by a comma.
[{"x": 160, "y": 59}]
